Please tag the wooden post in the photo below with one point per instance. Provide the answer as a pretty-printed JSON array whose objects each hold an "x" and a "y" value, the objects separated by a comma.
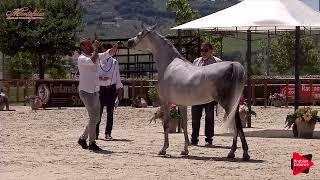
[
  {"x": 287, "y": 93},
  {"x": 17, "y": 90},
  {"x": 253, "y": 92},
  {"x": 133, "y": 89},
  {"x": 311, "y": 92},
  {"x": 296, "y": 69},
  {"x": 25, "y": 92},
  {"x": 142, "y": 88},
  {"x": 265, "y": 93},
  {"x": 249, "y": 72},
  {"x": 179, "y": 44},
  {"x": 8, "y": 89}
]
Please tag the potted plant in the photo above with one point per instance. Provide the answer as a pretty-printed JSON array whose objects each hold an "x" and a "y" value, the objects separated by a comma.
[
  {"x": 153, "y": 96},
  {"x": 244, "y": 111},
  {"x": 304, "y": 119},
  {"x": 277, "y": 100},
  {"x": 174, "y": 120},
  {"x": 139, "y": 102}
]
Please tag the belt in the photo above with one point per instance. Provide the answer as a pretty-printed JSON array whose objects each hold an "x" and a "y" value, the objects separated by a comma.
[{"x": 110, "y": 86}]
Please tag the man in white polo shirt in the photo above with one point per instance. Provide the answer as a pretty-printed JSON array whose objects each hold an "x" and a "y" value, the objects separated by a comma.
[{"x": 89, "y": 88}]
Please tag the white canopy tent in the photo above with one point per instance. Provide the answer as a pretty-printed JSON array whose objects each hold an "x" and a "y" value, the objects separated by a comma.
[{"x": 261, "y": 15}]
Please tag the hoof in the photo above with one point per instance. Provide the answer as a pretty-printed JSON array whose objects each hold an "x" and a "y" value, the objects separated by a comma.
[
  {"x": 162, "y": 152},
  {"x": 184, "y": 153},
  {"x": 231, "y": 155},
  {"x": 246, "y": 157}
]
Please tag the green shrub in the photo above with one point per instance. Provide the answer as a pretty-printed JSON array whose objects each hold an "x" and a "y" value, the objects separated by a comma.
[
  {"x": 153, "y": 96},
  {"x": 57, "y": 72}
]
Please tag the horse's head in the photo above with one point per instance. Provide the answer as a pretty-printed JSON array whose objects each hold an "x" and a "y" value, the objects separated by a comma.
[{"x": 141, "y": 41}]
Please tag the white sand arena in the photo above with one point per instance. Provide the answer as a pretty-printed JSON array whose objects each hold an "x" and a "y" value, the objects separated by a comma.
[{"x": 43, "y": 145}]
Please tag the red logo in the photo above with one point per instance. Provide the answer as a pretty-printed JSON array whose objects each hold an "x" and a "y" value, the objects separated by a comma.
[{"x": 301, "y": 164}]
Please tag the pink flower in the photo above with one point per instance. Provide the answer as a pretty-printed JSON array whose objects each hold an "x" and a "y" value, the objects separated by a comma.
[
  {"x": 173, "y": 106},
  {"x": 242, "y": 101}
]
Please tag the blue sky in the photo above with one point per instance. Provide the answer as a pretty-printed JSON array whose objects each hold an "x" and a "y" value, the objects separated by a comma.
[{"x": 312, "y": 3}]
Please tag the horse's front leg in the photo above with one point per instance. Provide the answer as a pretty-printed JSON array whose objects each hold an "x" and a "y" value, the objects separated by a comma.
[
  {"x": 166, "y": 111},
  {"x": 184, "y": 119}
]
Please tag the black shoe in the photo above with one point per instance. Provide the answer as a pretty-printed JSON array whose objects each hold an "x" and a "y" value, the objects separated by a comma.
[
  {"x": 83, "y": 143},
  {"x": 94, "y": 147},
  {"x": 108, "y": 137},
  {"x": 194, "y": 143},
  {"x": 208, "y": 143}
]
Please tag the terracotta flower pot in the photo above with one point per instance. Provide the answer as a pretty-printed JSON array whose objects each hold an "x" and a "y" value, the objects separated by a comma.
[
  {"x": 277, "y": 103},
  {"x": 173, "y": 124},
  {"x": 305, "y": 129},
  {"x": 244, "y": 117}
]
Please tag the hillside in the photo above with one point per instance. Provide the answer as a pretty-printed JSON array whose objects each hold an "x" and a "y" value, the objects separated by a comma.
[{"x": 122, "y": 18}]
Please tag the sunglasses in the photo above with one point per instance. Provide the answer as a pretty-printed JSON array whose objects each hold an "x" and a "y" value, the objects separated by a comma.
[{"x": 204, "y": 50}]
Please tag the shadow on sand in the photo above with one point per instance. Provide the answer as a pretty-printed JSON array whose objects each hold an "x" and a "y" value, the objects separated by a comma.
[
  {"x": 120, "y": 140},
  {"x": 103, "y": 152},
  {"x": 272, "y": 133},
  {"x": 204, "y": 158}
]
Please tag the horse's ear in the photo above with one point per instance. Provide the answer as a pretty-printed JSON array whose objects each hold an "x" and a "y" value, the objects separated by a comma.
[{"x": 152, "y": 28}]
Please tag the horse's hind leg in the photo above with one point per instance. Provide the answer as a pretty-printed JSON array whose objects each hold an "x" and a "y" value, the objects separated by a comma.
[
  {"x": 184, "y": 118},
  {"x": 234, "y": 144},
  {"x": 239, "y": 131},
  {"x": 166, "y": 111},
  {"x": 245, "y": 156},
  {"x": 245, "y": 148}
]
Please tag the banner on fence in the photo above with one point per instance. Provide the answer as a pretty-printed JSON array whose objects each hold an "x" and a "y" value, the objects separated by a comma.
[
  {"x": 59, "y": 93},
  {"x": 305, "y": 92}
]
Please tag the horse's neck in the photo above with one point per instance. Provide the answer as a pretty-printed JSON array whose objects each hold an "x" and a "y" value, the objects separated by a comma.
[{"x": 164, "y": 54}]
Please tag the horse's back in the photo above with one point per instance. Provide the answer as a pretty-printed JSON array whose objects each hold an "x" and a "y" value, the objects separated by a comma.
[{"x": 187, "y": 84}]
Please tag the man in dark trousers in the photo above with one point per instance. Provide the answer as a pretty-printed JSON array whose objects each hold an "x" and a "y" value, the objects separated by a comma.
[
  {"x": 110, "y": 89},
  {"x": 196, "y": 110}
]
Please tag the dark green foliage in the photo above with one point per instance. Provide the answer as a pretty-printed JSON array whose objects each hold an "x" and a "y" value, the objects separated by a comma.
[
  {"x": 183, "y": 11},
  {"x": 54, "y": 36},
  {"x": 59, "y": 72},
  {"x": 20, "y": 65}
]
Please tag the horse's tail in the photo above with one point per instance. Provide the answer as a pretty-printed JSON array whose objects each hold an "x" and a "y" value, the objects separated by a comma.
[{"x": 238, "y": 81}]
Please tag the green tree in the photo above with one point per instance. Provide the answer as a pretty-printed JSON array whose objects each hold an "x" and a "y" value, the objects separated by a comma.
[
  {"x": 48, "y": 39},
  {"x": 20, "y": 65},
  {"x": 183, "y": 11},
  {"x": 282, "y": 54}
]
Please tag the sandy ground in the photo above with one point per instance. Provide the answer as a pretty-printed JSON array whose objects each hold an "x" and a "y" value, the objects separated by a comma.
[{"x": 43, "y": 145}]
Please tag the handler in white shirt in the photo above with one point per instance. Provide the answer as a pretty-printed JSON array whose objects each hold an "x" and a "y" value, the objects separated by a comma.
[
  {"x": 89, "y": 88},
  {"x": 110, "y": 89}
]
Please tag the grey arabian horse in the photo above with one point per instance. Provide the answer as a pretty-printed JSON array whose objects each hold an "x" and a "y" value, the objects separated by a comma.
[{"x": 181, "y": 83}]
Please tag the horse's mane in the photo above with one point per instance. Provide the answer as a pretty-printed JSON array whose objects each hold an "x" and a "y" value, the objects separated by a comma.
[{"x": 170, "y": 45}]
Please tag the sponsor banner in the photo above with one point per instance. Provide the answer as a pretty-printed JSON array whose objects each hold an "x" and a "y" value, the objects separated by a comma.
[
  {"x": 305, "y": 92},
  {"x": 59, "y": 93}
]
